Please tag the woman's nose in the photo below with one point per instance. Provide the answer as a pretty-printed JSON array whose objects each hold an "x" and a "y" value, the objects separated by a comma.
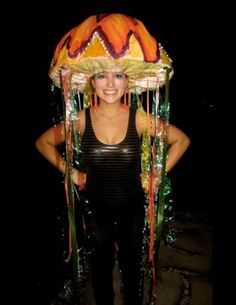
[{"x": 110, "y": 81}]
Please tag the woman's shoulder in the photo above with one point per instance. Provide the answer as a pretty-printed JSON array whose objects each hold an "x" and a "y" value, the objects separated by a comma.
[
  {"x": 142, "y": 117},
  {"x": 146, "y": 121}
]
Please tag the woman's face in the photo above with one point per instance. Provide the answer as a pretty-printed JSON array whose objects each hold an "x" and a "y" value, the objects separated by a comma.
[{"x": 110, "y": 86}]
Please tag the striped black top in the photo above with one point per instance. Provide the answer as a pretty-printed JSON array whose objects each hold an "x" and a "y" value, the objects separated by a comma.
[{"x": 113, "y": 171}]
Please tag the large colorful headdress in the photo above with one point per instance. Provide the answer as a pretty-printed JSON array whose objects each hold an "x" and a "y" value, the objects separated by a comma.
[
  {"x": 100, "y": 43},
  {"x": 107, "y": 40}
]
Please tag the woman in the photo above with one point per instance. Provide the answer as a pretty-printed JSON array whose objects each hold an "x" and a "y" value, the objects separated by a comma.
[{"x": 111, "y": 153}]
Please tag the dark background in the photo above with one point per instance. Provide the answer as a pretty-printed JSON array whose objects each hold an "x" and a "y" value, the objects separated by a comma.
[{"x": 186, "y": 31}]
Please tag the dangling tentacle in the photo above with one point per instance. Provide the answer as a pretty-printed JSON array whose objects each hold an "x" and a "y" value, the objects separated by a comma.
[
  {"x": 159, "y": 156},
  {"x": 125, "y": 104},
  {"x": 129, "y": 98},
  {"x": 154, "y": 154},
  {"x": 160, "y": 216},
  {"x": 95, "y": 106},
  {"x": 69, "y": 187},
  {"x": 87, "y": 100}
]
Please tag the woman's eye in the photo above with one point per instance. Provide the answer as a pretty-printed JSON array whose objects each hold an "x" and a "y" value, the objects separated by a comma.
[
  {"x": 100, "y": 76},
  {"x": 119, "y": 75}
]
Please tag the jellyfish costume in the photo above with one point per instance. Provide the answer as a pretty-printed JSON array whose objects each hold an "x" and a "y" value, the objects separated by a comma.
[{"x": 100, "y": 43}]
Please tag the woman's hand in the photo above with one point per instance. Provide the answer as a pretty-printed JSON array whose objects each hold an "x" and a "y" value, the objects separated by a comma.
[{"x": 79, "y": 179}]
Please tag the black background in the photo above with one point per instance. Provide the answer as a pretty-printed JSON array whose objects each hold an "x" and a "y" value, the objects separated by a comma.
[{"x": 187, "y": 33}]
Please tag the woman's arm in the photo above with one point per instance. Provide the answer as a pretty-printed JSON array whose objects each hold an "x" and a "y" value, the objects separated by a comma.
[
  {"x": 179, "y": 142},
  {"x": 47, "y": 145},
  {"x": 177, "y": 139}
]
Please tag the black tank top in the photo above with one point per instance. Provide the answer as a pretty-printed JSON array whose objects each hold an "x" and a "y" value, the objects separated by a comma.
[{"x": 113, "y": 171}]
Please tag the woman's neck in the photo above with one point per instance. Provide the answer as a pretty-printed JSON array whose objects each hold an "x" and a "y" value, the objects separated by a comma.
[{"x": 110, "y": 110}]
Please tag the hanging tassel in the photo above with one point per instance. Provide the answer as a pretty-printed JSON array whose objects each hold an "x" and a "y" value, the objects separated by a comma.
[
  {"x": 68, "y": 114},
  {"x": 129, "y": 98},
  {"x": 95, "y": 106},
  {"x": 124, "y": 105}
]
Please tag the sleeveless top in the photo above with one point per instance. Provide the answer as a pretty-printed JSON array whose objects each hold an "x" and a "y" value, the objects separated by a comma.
[{"x": 113, "y": 181}]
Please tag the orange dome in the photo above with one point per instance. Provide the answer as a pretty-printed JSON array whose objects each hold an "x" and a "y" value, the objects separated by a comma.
[{"x": 106, "y": 40}]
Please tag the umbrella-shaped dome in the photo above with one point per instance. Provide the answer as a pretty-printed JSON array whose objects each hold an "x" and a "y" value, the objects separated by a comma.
[{"x": 107, "y": 40}]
